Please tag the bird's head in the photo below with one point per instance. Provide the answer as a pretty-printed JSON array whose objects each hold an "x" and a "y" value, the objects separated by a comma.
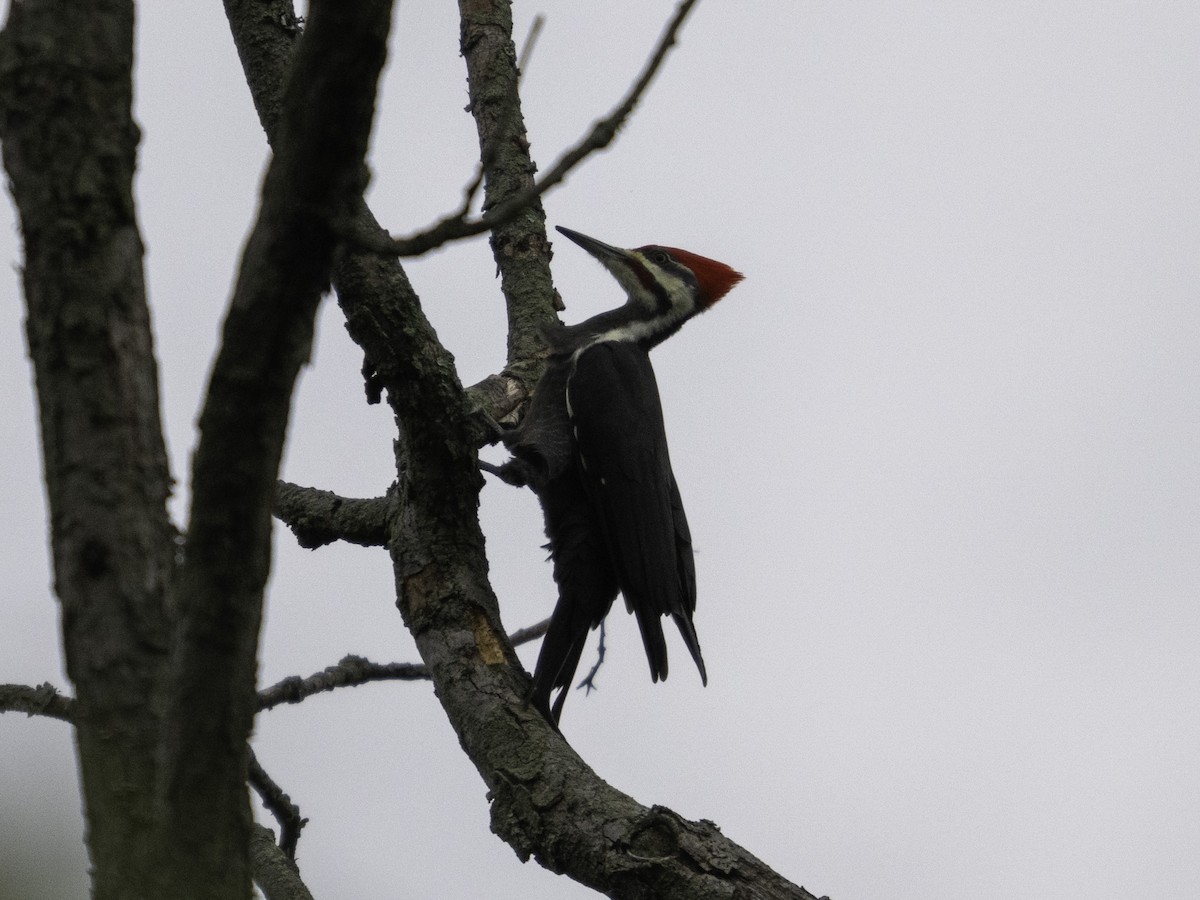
[{"x": 666, "y": 287}]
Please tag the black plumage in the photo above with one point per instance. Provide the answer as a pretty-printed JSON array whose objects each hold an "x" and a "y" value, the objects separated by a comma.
[
  {"x": 593, "y": 446},
  {"x": 613, "y": 512}
]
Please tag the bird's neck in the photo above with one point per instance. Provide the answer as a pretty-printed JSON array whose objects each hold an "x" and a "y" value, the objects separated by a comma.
[{"x": 624, "y": 324}]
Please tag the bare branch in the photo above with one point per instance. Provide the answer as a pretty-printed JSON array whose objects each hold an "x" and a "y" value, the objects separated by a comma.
[
  {"x": 546, "y": 802},
  {"x": 70, "y": 151},
  {"x": 274, "y": 873},
  {"x": 519, "y": 246},
  {"x": 532, "y": 633},
  {"x": 313, "y": 180},
  {"x": 265, "y": 33},
  {"x": 43, "y": 700},
  {"x": 278, "y": 804},
  {"x": 319, "y": 517},
  {"x": 509, "y": 124},
  {"x": 535, "y": 31},
  {"x": 350, "y": 671},
  {"x": 602, "y": 133}
]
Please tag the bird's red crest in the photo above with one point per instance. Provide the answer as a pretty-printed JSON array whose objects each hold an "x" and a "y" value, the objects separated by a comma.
[{"x": 715, "y": 278}]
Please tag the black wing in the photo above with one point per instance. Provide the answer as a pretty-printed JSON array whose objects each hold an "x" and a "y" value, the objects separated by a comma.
[
  {"x": 687, "y": 573},
  {"x": 587, "y": 587},
  {"x": 624, "y": 466},
  {"x": 543, "y": 450}
]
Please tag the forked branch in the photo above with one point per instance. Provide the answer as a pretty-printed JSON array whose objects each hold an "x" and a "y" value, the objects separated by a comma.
[
  {"x": 314, "y": 178},
  {"x": 546, "y": 802},
  {"x": 460, "y": 225}
]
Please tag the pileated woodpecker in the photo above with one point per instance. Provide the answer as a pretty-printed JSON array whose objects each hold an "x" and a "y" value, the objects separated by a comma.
[{"x": 593, "y": 447}]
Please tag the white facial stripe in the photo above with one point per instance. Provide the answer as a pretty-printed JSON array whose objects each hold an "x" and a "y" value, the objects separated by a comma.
[
  {"x": 633, "y": 332},
  {"x": 679, "y": 295}
]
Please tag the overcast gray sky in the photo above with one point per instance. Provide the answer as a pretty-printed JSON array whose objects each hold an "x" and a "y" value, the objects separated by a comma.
[{"x": 940, "y": 450}]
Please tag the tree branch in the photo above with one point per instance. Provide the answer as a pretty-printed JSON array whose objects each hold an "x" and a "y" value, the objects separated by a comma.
[
  {"x": 319, "y": 517},
  {"x": 265, "y": 33},
  {"x": 602, "y": 133},
  {"x": 43, "y": 700},
  {"x": 274, "y": 873},
  {"x": 531, "y": 633},
  {"x": 278, "y": 804},
  {"x": 546, "y": 802},
  {"x": 519, "y": 244},
  {"x": 350, "y": 671},
  {"x": 70, "y": 148},
  {"x": 314, "y": 177}
]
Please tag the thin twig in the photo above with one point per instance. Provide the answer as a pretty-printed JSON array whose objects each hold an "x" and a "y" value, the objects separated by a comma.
[
  {"x": 535, "y": 30},
  {"x": 278, "y": 804},
  {"x": 488, "y": 154},
  {"x": 602, "y": 133},
  {"x": 532, "y": 633},
  {"x": 352, "y": 671}
]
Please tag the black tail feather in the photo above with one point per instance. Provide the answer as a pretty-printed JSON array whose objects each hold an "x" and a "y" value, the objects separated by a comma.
[
  {"x": 688, "y": 632},
  {"x": 557, "y": 661},
  {"x": 650, "y": 624}
]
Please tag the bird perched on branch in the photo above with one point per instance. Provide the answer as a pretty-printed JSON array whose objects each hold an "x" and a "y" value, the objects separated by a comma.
[{"x": 593, "y": 447}]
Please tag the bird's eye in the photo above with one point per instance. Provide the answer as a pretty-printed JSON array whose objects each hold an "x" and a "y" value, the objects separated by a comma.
[{"x": 660, "y": 257}]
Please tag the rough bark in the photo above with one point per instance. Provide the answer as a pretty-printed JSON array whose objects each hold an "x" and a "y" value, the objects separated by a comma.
[
  {"x": 64, "y": 75},
  {"x": 162, "y": 653},
  {"x": 546, "y": 802},
  {"x": 520, "y": 247},
  {"x": 70, "y": 148},
  {"x": 274, "y": 873},
  {"x": 320, "y": 517},
  {"x": 321, "y": 140}
]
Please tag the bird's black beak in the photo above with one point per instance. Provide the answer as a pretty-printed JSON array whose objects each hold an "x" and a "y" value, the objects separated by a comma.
[{"x": 606, "y": 253}]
